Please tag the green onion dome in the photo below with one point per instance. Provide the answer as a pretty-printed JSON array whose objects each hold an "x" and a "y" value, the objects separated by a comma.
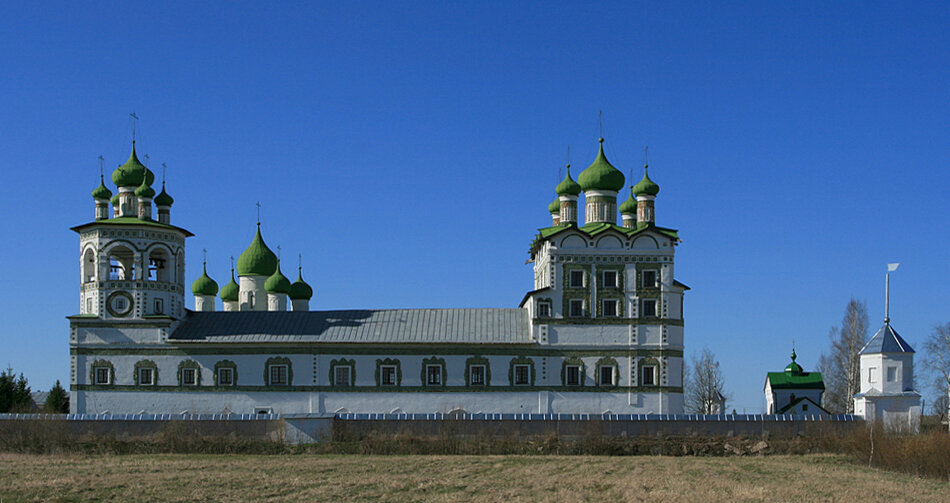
[
  {"x": 132, "y": 172},
  {"x": 629, "y": 207},
  {"x": 144, "y": 190},
  {"x": 277, "y": 282},
  {"x": 231, "y": 291},
  {"x": 204, "y": 285},
  {"x": 793, "y": 367},
  {"x": 300, "y": 289},
  {"x": 257, "y": 259},
  {"x": 163, "y": 199},
  {"x": 646, "y": 187},
  {"x": 115, "y": 199},
  {"x": 555, "y": 207},
  {"x": 568, "y": 187},
  {"x": 601, "y": 175},
  {"x": 102, "y": 192}
]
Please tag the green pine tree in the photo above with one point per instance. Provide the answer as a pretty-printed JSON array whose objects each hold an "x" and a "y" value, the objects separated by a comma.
[
  {"x": 57, "y": 402},
  {"x": 14, "y": 393}
]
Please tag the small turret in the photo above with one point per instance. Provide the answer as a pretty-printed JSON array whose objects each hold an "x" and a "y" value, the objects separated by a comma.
[
  {"x": 254, "y": 265},
  {"x": 163, "y": 202},
  {"x": 204, "y": 288},
  {"x": 628, "y": 211},
  {"x": 278, "y": 288},
  {"x": 567, "y": 192},
  {"x": 646, "y": 191},
  {"x": 300, "y": 293},
  {"x": 555, "y": 210},
  {"x": 600, "y": 182},
  {"x": 102, "y": 194},
  {"x": 144, "y": 193},
  {"x": 230, "y": 294},
  {"x": 127, "y": 177}
]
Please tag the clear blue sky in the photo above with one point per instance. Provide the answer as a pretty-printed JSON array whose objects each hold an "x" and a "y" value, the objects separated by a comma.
[{"x": 409, "y": 151}]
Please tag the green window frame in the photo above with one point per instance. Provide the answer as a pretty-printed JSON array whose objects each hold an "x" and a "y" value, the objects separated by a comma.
[
  {"x": 473, "y": 362},
  {"x": 648, "y": 362},
  {"x": 343, "y": 362},
  {"x": 141, "y": 369},
  {"x": 388, "y": 363},
  {"x": 607, "y": 363},
  {"x": 433, "y": 362},
  {"x": 276, "y": 362},
  {"x": 225, "y": 365},
  {"x": 573, "y": 362},
  {"x": 515, "y": 362},
  {"x": 189, "y": 365},
  {"x": 102, "y": 364}
]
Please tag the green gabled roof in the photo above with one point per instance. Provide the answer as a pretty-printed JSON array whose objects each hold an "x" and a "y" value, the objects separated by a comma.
[
  {"x": 163, "y": 199},
  {"x": 134, "y": 221},
  {"x": 804, "y": 380},
  {"x": 300, "y": 289},
  {"x": 231, "y": 291},
  {"x": 601, "y": 175},
  {"x": 568, "y": 187},
  {"x": 646, "y": 187},
  {"x": 132, "y": 173},
  {"x": 555, "y": 207},
  {"x": 629, "y": 207},
  {"x": 257, "y": 259},
  {"x": 102, "y": 192},
  {"x": 204, "y": 285},
  {"x": 277, "y": 282}
]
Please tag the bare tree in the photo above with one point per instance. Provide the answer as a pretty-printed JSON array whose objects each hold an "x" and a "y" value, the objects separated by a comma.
[
  {"x": 705, "y": 385},
  {"x": 841, "y": 367},
  {"x": 937, "y": 361}
]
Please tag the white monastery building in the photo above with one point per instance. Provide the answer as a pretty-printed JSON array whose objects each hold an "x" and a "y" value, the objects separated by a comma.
[
  {"x": 887, "y": 382},
  {"x": 600, "y": 331}
]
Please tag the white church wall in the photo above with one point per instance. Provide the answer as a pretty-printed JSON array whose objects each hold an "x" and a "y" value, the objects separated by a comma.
[{"x": 130, "y": 334}]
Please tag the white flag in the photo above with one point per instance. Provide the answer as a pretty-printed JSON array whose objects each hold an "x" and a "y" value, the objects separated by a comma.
[{"x": 893, "y": 267}]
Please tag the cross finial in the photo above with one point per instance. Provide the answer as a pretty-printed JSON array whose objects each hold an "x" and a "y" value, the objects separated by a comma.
[
  {"x": 204, "y": 255},
  {"x": 100, "y": 165},
  {"x": 258, "y": 204},
  {"x": 147, "y": 162},
  {"x": 135, "y": 119},
  {"x": 278, "y": 252},
  {"x": 600, "y": 119},
  {"x": 646, "y": 150},
  {"x": 232, "y": 265},
  {"x": 299, "y": 262},
  {"x": 164, "y": 169}
]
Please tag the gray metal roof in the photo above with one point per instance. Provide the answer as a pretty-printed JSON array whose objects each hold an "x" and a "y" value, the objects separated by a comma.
[
  {"x": 886, "y": 340},
  {"x": 415, "y": 326}
]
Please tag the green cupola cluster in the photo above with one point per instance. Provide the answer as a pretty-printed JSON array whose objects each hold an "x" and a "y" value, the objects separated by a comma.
[
  {"x": 132, "y": 173},
  {"x": 163, "y": 199},
  {"x": 102, "y": 192},
  {"x": 231, "y": 291},
  {"x": 257, "y": 259},
  {"x": 145, "y": 190},
  {"x": 204, "y": 285},
  {"x": 555, "y": 207},
  {"x": 646, "y": 187},
  {"x": 629, "y": 207},
  {"x": 300, "y": 290},
  {"x": 277, "y": 282},
  {"x": 601, "y": 175},
  {"x": 568, "y": 187}
]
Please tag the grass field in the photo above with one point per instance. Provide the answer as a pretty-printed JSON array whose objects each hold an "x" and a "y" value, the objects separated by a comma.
[{"x": 193, "y": 477}]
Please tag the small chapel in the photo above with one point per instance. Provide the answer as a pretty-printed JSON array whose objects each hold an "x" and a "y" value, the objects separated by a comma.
[{"x": 794, "y": 391}]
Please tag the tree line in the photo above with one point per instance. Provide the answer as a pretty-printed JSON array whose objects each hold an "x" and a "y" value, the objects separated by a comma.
[{"x": 16, "y": 396}]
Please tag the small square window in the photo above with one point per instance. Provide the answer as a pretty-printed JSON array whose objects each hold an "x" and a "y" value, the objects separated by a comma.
[
  {"x": 572, "y": 375},
  {"x": 576, "y": 308},
  {"x": 278, "y": 375},
  {"x": 433, "y": 375},
  {"x": 610, "y": 279},
  {"x": 606, "y": 375},
  {"x": 341, "y": 375},
  {"x": 648, "y": 375},
  {"x": 891, "y": 374},
  {"x": 146, "y": 377},
  {"x": 522, "y": 375},
  {"x": 225, "y": 377},
  {"x": 577, "y": 279},
  {"x": 649, "y": 278},
  {"x": 387, "y": 375},
  {"x": 159, "y": 306},
  {"x": 189, "y": 377},
  {"x": 648, "y": 309},
  {"x": 544, "y": 309},
  {"x": 476, "y": 375},
  {"x": 804, "y": 407},
  {"x": 610, "y": 307},
  {"x": 872, "y": 374},
  {"x": 102, "y": 375}
]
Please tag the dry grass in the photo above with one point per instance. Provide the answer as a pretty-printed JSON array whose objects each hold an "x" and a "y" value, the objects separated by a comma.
[{"x": 308, "y": 477}]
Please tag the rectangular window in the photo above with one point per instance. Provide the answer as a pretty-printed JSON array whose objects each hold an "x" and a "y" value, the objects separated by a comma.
[
  {"x": 159, "y": 306},
  {"x": 341, "y": 375},
  {"x": 522, "y": 375},
  {"x": 225, "y": 377},
  {"x": 648, "y": 309},
  {"x": 577, "y": 279},
  {"x": 146, "y": 377},
  {"x": 610, "y": 279},
  {"x": 89, "y": 305},
  {"x": 278, "y": 375},
  {"x": 433, "y": 375},
  {"x": 610, "y": 307},
  {"x": 476, "y": 375},
  {"x": 872, "y": 374},
  {"x": 606, "y": 376},
  {"x": 188, "y": 377},
  {"x": 649, "y": 278},
  {"x": 544, "y": 309},
  {"x": 387, "y": 375},
  {"x": 102, "y": 375},
  {"x": 572, "y": 375},
  {"x": 576, "y": 308},
  {"x": 891, "y": 374},
  {"x": 119, "y": 304},
  {"x": 648, "y": 375}
]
